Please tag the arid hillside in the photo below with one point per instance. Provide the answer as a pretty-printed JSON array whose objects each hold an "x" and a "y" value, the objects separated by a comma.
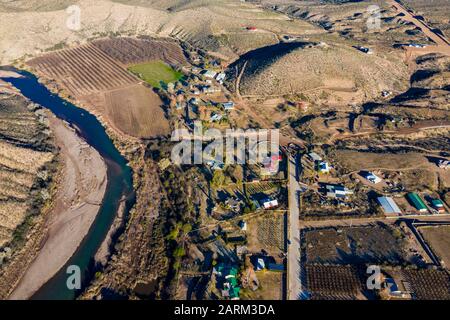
[
  {"x": 218, "y": 26},
  {"x": 313, "y": 68},
  {"x": 436, "y": 13},
  {"x": 25, "y": 151}
]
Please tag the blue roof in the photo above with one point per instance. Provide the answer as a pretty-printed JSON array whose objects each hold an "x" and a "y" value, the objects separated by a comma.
[{"x": 388, "y": 204}]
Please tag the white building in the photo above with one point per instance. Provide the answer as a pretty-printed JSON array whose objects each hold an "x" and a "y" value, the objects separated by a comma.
[
  {"x": 324, "y": 167},
  {"x": 228, "y": 105},
  {"x": 210, "y": 74},
  {"x": 270, "y": 204},
  {"x": 370, "y": 176},
  {"x": 314, "y": 156},
  {"x": 444, "y": 164},
  {"x": 220, "y": 76},
  {"x": 337, "y": 191}
]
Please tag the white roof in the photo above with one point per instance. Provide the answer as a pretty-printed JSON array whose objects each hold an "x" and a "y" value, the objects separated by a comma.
[
  {"x": 270, "y": 204},
  {"x": 210, "y": 74},
  {"x": 315, "y": 156}
]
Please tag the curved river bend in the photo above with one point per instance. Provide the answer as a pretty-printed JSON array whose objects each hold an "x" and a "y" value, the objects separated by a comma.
[{"x": 119, "y": 180}]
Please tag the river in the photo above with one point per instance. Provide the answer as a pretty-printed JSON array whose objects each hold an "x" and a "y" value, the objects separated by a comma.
[{"x": 119, "y": 184}]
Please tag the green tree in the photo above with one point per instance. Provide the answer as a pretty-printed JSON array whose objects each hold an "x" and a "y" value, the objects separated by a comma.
[
  {"x": 218, "y": 179},
  {"x": 179, "y": 252}
]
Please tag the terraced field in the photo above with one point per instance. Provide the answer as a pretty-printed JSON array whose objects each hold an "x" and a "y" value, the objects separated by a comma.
[
  {"x": 133, "y": 51},
  {"x": 83, "y": 70},
  {"x": 25, "y": 149}
]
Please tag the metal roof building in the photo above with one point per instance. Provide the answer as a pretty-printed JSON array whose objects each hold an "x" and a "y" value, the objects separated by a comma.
[
  {"x": 416, "y": 202},
  {"x": 314, "y": 156},
  {"x": 389, "y": 206}
]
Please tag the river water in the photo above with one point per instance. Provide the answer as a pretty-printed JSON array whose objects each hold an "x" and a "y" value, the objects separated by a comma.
[{"x": 119, "y": 181}]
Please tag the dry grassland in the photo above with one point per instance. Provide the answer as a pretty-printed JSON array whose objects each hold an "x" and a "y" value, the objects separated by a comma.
[
  {"x": 439, "y": 239},
  {"x": 354, "y": 160},
  {"x": 304, "y": 70},
  {"x": 270, "y": 287},
  {"x": 435, "y": 12}
]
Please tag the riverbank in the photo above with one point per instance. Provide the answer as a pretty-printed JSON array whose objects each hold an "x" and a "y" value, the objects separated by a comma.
[{"x": 78, "y": 199}]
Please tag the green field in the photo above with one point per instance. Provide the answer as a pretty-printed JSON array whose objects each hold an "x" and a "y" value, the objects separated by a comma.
[{"x": 156, "y": 73}]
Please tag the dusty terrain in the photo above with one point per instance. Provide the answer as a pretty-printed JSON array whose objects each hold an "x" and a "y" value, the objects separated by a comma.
[
  {"x": 75, "y": 207},
  {"x": 329, "y": 93},
  {"x": 204, "y": 24},
  {"x": 331, "y": 68},
  {"x": 134, "y": 110},
  {"x": 357, "y": 245}
]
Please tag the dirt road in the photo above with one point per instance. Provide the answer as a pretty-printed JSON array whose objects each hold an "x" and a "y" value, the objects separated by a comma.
[
  {"x": 365, "y": 221},
  {"x": 442, "y": 44},
  {"x": 293, "y": 265},
  {"x": 80, "y": 192}
]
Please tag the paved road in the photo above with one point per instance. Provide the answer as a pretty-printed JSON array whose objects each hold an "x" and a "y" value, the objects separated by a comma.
[{"x": 293, "y": 264}]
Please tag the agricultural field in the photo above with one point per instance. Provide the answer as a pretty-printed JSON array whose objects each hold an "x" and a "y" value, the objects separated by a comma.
[
  {"x": 130, "y": 51},
  {"x": 106, "y": 88},
  {"x": 156, "y": 73},
  {"x": 438, "y": 237},
  {"x": 262, "y": 187},
  {"x": 334, "y": 282},
  {"x": 357, "y": 245},
  {"x": 83, "y": 70},
  {"x": 428, "y": 284},
  {"x": 132, "y": 111},
  {"x": 352, "y": 161},
  {"x": 267, "y": 232},
  {"x": 25, "y": 150}
]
